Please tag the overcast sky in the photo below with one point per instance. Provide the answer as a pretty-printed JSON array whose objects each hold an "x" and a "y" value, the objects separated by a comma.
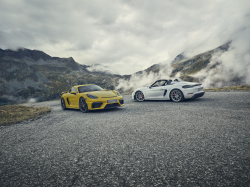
[{"x": 123, "y": 35}]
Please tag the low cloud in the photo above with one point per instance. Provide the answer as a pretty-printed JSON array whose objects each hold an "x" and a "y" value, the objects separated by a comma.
[
  {"x": 146, "y": 79},
  {"x": 10, "y": 99},
  {"x": 32, "y": 100},
  {"x": 232, "y": 66},
  {"x": 100, "y": 68}
]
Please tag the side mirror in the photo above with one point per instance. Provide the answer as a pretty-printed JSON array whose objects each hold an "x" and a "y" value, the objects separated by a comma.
[
  {"x": 105, "y": 89},
  {"x": 73, "y": 93}
]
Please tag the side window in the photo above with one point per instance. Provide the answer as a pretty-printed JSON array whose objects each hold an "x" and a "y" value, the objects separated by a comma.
[
  {"x": 162, "y": 83},
  {"x": 159, "y": 83},
  {"x": 74, "y": 90},
  {"x": 155, "y": 84}
]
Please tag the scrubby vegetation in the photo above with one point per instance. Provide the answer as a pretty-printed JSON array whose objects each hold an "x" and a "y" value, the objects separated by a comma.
[
  {"x": 10, "y": 114},
  {"x": 229, "y": 88}
]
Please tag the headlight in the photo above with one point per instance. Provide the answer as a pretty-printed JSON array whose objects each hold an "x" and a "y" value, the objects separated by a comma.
[
  {"x": 91, "y": 96},
  {"x": 118, "y": 93}
]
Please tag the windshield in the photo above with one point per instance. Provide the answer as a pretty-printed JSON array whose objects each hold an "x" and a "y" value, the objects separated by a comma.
[
  {"x": 89, "y": 88},
  {"x": 159, "y": 83}
]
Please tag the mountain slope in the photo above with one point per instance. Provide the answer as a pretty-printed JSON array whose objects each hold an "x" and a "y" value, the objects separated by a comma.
[
  {"x": 186, "y": 69},
  {"x": 198, "y": 62},
  {"x": 34, "y": 74},
  {"x": 188, "y": 66}
]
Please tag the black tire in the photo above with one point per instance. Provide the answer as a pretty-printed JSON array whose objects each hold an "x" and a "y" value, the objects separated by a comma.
[
  {"x": 139, "y": 96},
  {"x": 63, "y": 105},
  {"x": 83, "y": 105},
  {"x": 176, "y": 95}
]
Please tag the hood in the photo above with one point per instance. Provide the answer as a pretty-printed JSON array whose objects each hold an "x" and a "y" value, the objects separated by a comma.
[{"x": 102, "y": 94}]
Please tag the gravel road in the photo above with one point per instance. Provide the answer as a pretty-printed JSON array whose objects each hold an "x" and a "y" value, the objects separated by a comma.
[{"x": 202, "y": 142}]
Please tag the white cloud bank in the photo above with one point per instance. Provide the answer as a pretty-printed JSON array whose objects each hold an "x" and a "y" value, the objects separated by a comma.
[
  {"x": 128, "y": 36},
  {"x": 233, "y": 64}
]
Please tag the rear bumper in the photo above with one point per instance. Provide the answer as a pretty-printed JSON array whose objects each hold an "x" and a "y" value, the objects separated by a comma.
[
  {"x": 192, "y": 93},
  {"x": 198, "y": 95}
]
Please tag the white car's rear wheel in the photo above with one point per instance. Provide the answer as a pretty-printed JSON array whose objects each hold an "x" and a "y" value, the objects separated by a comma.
[
  {"x": 139, "y": 96},
  {"x": 176, "y": 95},
  {"x": 83, "y": 105}
]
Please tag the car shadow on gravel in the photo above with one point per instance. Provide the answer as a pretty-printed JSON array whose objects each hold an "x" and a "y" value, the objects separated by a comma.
[
  {"x": 185, "y": 101},
  {"x": 198, "y": 100},
  {"x": 98, "y": 111},
  {"x": 152, "y": 101}
]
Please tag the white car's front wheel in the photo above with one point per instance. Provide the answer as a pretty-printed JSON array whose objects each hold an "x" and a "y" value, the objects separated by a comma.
[
  {"x": 139, "y": 96},
  {"x": 176, "y": 95}
]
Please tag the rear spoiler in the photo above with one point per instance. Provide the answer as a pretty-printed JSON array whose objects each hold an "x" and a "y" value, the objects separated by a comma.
[
  {"x": 64, "y": 92},
  {"x": 190, "y": 86}
]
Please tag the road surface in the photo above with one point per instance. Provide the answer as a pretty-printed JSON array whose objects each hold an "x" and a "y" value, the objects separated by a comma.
[{"x": 202, "y": 142}]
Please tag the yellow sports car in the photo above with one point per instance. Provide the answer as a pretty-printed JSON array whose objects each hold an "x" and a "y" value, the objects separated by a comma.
[{"x": 90, "y": 97}]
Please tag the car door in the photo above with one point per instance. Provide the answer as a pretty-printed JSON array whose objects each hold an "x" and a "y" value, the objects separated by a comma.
[
  {"x": 156, "y": 90},
  {"x": 73, "y": 98}
]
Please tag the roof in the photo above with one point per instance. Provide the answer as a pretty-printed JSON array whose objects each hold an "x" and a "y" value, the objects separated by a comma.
[{"x": 83, "y": 85}]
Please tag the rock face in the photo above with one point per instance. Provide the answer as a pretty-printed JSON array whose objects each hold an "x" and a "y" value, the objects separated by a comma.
[
  {"x": 28, "y": 74},
  {"x": 179, "y": 58}
]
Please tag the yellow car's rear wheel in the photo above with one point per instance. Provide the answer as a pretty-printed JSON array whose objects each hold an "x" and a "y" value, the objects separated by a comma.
[{"x": 83, "y": 105}]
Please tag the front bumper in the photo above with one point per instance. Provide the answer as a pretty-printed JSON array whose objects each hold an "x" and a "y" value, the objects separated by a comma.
[
  {"x": 133, "y": 95},
  {"x": 102, "y": 103}
]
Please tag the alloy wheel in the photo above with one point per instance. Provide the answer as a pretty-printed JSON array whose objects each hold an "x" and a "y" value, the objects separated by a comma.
[
  {"x": 176, "y": 95},
  {"x": 83, "y": 105},
  {"x": 139, "y": 96},
  {"x": 63, "y": 104}
]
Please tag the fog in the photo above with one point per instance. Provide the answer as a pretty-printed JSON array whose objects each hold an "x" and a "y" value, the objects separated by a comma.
[
  {"x": 233, "y": 64},
  {"x": 100, "y": 68},
  {"x": 10, "y": 99},
  {"x": 145, "y": 79}
]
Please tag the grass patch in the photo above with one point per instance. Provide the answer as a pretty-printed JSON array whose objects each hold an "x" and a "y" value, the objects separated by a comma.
[
  {"x": 10, "y": 114},
  {"x": 128, "y": 93},
  {"x": 229, "y": 88}
]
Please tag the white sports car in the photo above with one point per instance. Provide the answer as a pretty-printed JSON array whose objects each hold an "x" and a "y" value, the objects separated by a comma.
[{"x": 176, "y": 91}]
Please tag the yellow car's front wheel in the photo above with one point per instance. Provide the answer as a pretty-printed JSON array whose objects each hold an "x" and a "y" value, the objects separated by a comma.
[
  {"x": 83, "y": 105},
  {"x": 63, "y": 105}
]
